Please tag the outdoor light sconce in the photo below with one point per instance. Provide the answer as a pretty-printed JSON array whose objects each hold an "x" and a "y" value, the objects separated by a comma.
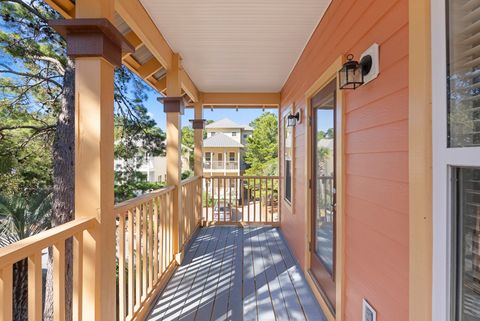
[
  {"x": 293, "y": 119},
  {"x": 354, "y": 74}
]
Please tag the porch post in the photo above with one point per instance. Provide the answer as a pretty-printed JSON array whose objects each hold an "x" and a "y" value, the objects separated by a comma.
[
  {"x": 198, "y": 125},
  {"x": 174, "y": 154},
  {"x": 94, "y": 78}
]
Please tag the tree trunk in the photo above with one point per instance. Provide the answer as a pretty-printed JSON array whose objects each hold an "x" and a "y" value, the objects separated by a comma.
[
  {"x": 63, "y": 188},
  {"x": 20, "y": 290}
]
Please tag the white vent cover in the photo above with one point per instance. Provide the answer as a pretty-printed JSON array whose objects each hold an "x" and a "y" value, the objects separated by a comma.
[{"x": 369, "y": 314}]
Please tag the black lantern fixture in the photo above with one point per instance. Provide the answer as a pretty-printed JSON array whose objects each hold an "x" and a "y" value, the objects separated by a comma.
[
  {"x": 352, "y": 73},
  {"x": 292, "y": 120}
]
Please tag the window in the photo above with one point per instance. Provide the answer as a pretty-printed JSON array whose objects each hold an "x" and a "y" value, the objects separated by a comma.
[
  {"x": 287, "y": 143},
  {"x": 456, "y": 165},
  {"x": 231, "y": 156},
  {"x": 466, "y": 247},
  {"x": 245, "y": 136},
  {"x": 212, "y": 134},
  {"x": 463, "y": 73},
  {"x": 234, "y": 134},
  {"x": 208, "y": 156},
  {"x": 220, "y": 157}
]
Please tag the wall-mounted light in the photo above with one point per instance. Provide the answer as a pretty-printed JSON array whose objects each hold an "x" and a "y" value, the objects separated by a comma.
[
  {"x": 354, "y": 74},
  {"x": 293, "y": 119}
]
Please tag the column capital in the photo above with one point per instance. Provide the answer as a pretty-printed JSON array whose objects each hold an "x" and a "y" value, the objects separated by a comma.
[
  {"x": 172, "y": 104},
  {"x": 93, "y": 37},
  {"x": 198, "y": 123}
]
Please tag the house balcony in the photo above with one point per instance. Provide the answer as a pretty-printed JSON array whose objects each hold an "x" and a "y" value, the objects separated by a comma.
[
  {"x": 232, "y": 263},
  {"x": 221, "y": 166}
]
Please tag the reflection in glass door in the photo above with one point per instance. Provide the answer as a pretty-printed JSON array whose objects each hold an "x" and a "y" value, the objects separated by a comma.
[{"x": 323, "y": 191}]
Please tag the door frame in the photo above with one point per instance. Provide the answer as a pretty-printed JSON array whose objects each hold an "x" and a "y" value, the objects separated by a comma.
[{"x": 329, "y": 74}]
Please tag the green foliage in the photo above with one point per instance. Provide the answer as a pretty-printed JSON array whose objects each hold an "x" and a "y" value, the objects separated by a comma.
[
  {"x": 32, "y": 68},
  {"x": 187, "y": 174},
  {"x": 261, "y": 153},
  {"x": 21, "y": 218},
  {"x": 132, "y": 184},
  {"x": 188, "y": 144}
]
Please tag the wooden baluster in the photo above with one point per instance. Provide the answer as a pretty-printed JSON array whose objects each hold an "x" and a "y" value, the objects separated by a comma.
[
  {"x": 131, "y": 256},
  {"x": 138, "y": 257},
  {"x": 121, "y": 267},
  {"x": 155, "y": 239},
  {"x": 163, "y": 220},
  {"x": 236, "y": 199},
  {"x": 144, "y": 252},
  {"x": 171, "y": 227},
  {"x": 6, "y": 288},
  {"x": 213, "y": 199},
  {"x": 59, "y": 281},
  {"x": 255, "y": 200},
  {"x": 230, "y": 207},
  {"x": 77, "y": 278},
  {"x": 35, "y": 287},
  {"x": 150, "y": 245},
  {"x": 224, "y": 199},
  {"x": 260, "y": 200}
]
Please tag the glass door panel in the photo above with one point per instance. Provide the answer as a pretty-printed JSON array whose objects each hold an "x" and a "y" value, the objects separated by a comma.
[{"x": 323, "y": 191}]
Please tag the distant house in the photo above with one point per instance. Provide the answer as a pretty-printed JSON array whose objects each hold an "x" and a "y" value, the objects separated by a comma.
[
  {"x": 154, "y": 167},
  {"x": 224, "y": 148}
]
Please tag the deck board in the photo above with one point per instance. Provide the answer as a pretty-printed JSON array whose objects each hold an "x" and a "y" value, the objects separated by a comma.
[{"x": 232, "y": 273}]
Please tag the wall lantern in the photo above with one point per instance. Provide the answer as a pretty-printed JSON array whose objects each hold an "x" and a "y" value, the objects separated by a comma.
[
  {"x": 352, "y": 73},
  {"x": 293, "y": 119}
]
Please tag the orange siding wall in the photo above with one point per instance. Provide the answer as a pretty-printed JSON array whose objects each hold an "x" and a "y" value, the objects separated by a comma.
[{"x": 376, "y": 153}]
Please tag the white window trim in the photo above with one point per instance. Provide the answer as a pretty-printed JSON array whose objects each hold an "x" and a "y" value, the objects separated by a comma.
[{"x": 443, "y": 160}]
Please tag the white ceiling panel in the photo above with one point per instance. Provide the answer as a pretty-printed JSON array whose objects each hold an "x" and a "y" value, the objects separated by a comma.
[{"x": 237, "y": 45}]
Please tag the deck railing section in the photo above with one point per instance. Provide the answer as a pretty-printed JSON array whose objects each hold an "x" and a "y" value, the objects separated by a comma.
[
  {"x": 241, "y": 199},
  {"x": 145, "y": 250},
  {"x": 190, "y": 214},
  {"x": 31, "y": 249}
]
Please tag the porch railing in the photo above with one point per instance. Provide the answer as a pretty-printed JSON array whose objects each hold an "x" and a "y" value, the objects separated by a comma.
[
  {"x": 144, "y": 250},
  {"x": 189, "y": 216},
  {"x": 241, "y": 199},
  {"x": 29, "y": 252}
]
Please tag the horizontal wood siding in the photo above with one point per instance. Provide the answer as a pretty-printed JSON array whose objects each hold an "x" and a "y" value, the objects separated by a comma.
[{"x": 376, "y": 153}]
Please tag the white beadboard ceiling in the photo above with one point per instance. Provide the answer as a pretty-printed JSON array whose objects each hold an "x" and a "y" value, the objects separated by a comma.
[{"x": 237, "y": 45}]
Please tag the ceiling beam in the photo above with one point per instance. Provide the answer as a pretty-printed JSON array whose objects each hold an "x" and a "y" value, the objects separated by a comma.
[
  {"x": 137, "y": 18},
  {"x": 188, "y": 86},
  {"x": 149, "y": 68},
  {"x": 64, "y": 7},
  {"x": 143, "y": 32},
  {"x": 242, "y": 99}
]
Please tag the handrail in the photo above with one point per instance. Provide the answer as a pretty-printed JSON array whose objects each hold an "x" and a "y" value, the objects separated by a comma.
[
  {"x": 17, "y": 251},
  {"x": 121, "y": 207},
  {"x": 242, "y": 177}
]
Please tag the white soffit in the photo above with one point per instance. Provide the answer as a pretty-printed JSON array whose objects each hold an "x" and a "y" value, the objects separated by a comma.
[{"x": 237, "y": 45}]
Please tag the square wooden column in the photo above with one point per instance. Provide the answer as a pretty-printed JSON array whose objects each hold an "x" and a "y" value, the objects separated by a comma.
[
  {"x": 198, "y": 126},
  {"x": 97, "y": 48},
  {"x": 173, "y": 106}
]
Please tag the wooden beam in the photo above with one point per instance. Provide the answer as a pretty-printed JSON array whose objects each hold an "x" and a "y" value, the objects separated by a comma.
[
  {"x": 242, "y": 99},
  {"x": 159, "y": 84},
  {"x": 65, "y": 7},
  {"x": 149, "y": 68},
  {"x": 188, "y": 86},
  {"x": 133, "y": 39},
  {"x": 137, "y": 18}
]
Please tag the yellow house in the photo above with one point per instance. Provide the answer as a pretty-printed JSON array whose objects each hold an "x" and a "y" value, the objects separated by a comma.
[{"x": 223, "y": 149}]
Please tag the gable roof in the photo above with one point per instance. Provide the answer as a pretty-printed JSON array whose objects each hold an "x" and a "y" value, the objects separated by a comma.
[
  {"x": 227, "y": 123},
  {"x": 221, "y": 140}
]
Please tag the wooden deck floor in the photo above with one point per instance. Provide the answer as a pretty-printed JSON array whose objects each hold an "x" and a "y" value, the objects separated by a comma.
[{"x": 231, "y": 273}]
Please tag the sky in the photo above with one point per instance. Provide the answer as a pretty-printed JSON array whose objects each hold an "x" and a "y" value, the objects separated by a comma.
[{"x": 242, "y": 116}]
